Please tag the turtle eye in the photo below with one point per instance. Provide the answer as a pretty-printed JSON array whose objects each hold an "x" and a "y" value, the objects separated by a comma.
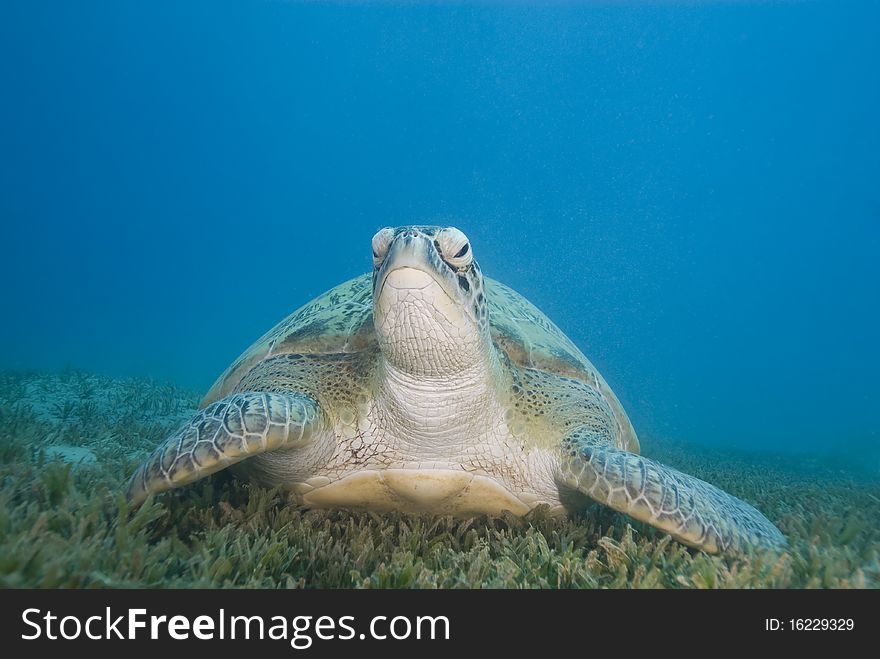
[
  {"x": 381, "y": 241},
  {"x": 454, "y": 247}
]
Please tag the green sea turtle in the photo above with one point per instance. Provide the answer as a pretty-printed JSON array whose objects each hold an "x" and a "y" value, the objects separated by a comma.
[{"x": 426, "y": 387}]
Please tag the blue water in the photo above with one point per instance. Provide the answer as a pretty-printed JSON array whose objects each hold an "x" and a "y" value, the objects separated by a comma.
[{"x": 691, "y": 193}]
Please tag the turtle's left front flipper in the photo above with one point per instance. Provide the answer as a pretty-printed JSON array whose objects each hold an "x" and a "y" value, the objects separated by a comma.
[
  {"x": 689, "y": 509},
  {"x": 226, "y": 432}
]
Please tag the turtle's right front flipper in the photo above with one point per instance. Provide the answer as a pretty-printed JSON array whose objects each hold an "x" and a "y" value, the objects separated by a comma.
[{"x": 226, "y": 432}]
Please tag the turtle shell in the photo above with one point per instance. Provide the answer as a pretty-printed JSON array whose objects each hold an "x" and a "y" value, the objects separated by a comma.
[
  {"x": 341, "y": 321},
  {"x": 338, "y": 321},
  {"x": 532, "y": 340}
]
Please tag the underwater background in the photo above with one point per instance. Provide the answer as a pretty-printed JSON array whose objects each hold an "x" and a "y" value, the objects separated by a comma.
[{"x": 690, "y": 191}]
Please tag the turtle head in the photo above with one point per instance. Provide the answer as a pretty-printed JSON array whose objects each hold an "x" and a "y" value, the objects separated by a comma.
[{"x": 429, "y": 303}]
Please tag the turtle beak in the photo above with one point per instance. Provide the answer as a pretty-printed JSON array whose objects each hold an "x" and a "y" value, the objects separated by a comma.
[{"x": 411, "y": 262}]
